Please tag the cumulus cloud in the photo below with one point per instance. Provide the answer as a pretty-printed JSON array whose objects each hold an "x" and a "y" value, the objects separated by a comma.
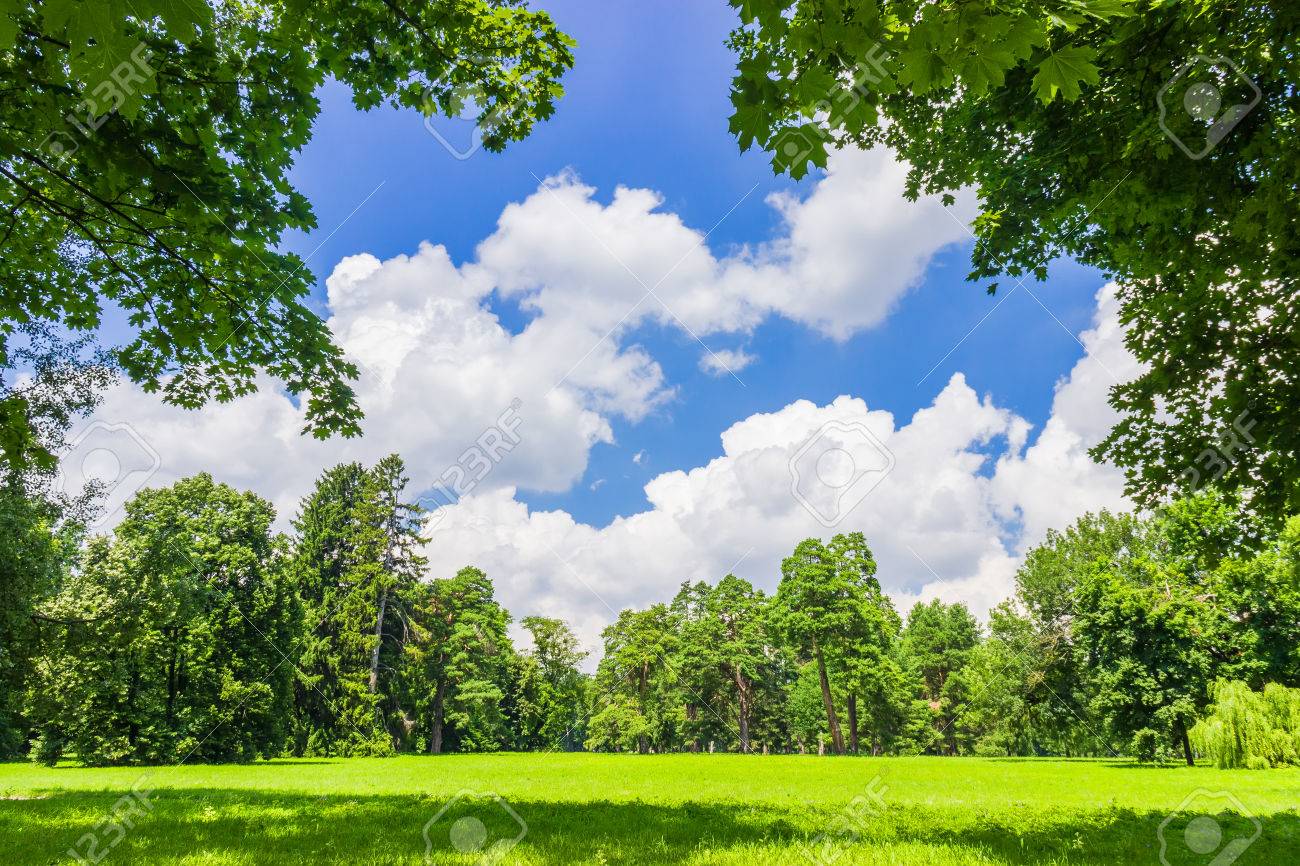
[
  {"x": 945, "y": 519},
  {"x": 844, "y": 256},
  {"x": 438, "y": 367}
]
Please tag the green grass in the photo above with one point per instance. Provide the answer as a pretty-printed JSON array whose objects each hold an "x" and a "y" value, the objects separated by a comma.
[{"x": 671, "y": 809}]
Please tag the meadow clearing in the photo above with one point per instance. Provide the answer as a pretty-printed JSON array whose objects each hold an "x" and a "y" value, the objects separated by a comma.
[{"x": 675, "y": 809}]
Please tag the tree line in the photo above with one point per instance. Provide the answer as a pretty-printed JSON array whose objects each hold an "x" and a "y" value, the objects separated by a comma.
[{"x": 195, "y": 632}]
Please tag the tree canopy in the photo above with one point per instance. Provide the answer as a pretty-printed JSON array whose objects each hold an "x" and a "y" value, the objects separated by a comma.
[
  {"x": 144, "y": 156},
  {"x": 1155, "y": 141}
]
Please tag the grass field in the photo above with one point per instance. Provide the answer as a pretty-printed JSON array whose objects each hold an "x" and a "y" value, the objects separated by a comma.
[{"x": 674, "y": 809}]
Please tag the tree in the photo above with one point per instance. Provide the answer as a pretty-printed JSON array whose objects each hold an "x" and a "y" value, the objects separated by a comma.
[
  {"x": 357, "y": 566},
  {"x": 937, "y": 643},
  {"x": 386, "y": 560},
  {"x": 459, "y": 663},
  {"x": 723, "y": 652},
  {"x": 1057, "y": 675},
  {"x": 548, "y": 690},
  {"x": 171, "y": 637},
  {"x": 1158, "y": 627},
  {"x": 36, "y": 549},
  {"x": 145, "y": 149},
  {"x": 635, "y": 676},
  {"x": 1098, "y": 130},
  {"x": 817, "y": 607},
  {"x": 1250, "y": 729},
  {"x": 335, "y": 712},
  {"x": 865, "y": 653}
]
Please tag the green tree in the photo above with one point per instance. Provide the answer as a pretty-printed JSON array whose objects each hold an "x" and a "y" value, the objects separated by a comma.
[
  {"x": 636, "y": 676},
  {"x": 548, "y": 689},
  {"x": 459, "y": 663},
  {"x": 37, "y": 547},
  {"x": 1059, "y": 687},
  {"x": 172, "y": 636},
  {"x": 145, "y": 151},
  {"x": 865, "y": 652},
  {"x": 825, "y": 608},
  {"x": 1158, "y": 627},
  {"x": 356, "y": 566},
  {"x": 1250, "y": 729},
  {"x": 1093, "y": 129},
  {"x": 937, "y": 643},
  {"x": 722, "y": 656}
]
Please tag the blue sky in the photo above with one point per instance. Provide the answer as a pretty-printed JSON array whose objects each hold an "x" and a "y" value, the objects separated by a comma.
[{"x": 646, "y": 106}]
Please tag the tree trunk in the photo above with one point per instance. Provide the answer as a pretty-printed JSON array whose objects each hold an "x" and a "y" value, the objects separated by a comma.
[
  {"x": 435, "y": 740},
  {"x": 693, "y": 713},
  {"x": 742, "y": 692},
  {"x": 642, "y": 743},
  {"x": 837, "y": 739},
  {"x": 379, "y": 639},
  {"x": 853, "y": 723},
  {"x": 1187, "y": 744}
]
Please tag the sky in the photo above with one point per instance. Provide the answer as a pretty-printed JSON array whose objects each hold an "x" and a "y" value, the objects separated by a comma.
[{"x": 664, "y": 362}]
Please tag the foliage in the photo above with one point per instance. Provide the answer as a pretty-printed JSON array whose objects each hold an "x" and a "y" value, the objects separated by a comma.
[
  {"x": 34, "y": 554},
  {"x": 192, "y": 631},
  {"x": 164, "y": 644},
  {"x": 458, "y": 663},
  {"x": 1152, "y": 140},
  {"x": 1250, "y": 729},
  {"x": 145, "y": 151},
  {"x": 635, "y": 671},
  {"x": 548, "y": 691}
]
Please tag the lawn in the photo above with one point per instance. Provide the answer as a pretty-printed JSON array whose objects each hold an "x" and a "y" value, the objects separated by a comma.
[{"x": 674, "y": 809}]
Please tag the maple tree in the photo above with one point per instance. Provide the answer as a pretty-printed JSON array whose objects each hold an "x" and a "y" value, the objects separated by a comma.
[
  {"x": 144, "y": 152},
  {"x": 1153, "y": 140}
]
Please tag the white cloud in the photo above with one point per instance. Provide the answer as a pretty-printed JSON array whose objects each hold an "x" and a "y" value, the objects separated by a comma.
[
  {"x": 724, "y": 362},
  {"x": 846, "y": 253},
  {"x": 438, "y": 367},
  {"x": 938, "y": 523},
  {"x": 1055, "y": 480}
]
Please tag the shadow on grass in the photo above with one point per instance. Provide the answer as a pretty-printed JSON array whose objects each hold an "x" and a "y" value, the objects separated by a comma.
[{"x": 229, "y": 826}]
